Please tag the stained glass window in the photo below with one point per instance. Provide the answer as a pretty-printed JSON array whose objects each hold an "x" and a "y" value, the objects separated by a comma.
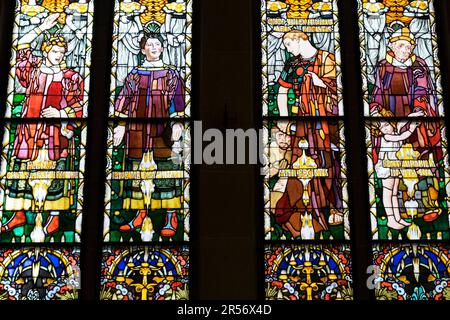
[
  {"x": 308, "y": 272},
  {"x": 148, "y": 162},
  {"x": 306, "y": 201},
  {"x": 145, "y": 273},
  {"x": 43, "y": 156},
  {"x": 412, "y": 271},
  {"x": 39, "y": 273},
  {"x": 407, "y": 148}
]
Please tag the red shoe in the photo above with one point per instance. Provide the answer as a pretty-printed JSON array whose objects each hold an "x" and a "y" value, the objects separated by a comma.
[
  {"x": 18, "y": 219},
  {"x": 136, "y": 222},
  {"x": 171, "y": 224},
  {"x": 52, "y": 225}
]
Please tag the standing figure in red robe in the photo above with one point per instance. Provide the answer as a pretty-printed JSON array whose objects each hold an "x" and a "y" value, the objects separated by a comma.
[{"x": 52, "y": 91}]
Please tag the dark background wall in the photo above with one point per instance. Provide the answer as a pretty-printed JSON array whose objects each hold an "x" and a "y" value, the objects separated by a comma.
[
  {"x": 227, "y": 221},
  {"x": 227, "y": 264}
]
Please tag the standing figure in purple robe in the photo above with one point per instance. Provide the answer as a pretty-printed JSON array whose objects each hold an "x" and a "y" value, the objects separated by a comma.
[
  {"x": 152, "y": 90},
  {"x": 403, "y": 85}
]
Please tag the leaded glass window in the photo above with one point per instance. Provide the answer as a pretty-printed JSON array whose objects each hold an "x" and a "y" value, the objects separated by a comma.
[
  {"x": 148, "y": 164},
  {"x": 307, "y": 256},
  {"x": 43, "y": 156},
  {"x": 406, "y": 148}
]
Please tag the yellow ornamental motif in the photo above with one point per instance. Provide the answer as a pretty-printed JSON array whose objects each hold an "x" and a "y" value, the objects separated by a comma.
[
  {"x": 147, "y": 230},
  {"x": 422, "y": 5},
  {"x": 307, "y": 170},
  {"x": 80, "y": 7},
  {"x": 322, "y": 6},
  {"x": 409, "y": 175},
  {"x": 298, "y": 9},
  {"x": 373, "y": 6},
  {"x": 407, "y": 152},
  {"x": 154, "y": 11},
  {"x": 177, "y": 7},
  {"x": 129, "y": 7},
  {"x": 275, "y": 6},
  {"x": 30, "y": 8},
  {"x": 57, "y": 6},
  {"x": 414, "y": 232},
  {"x": 304, "y": 162},
  {"x": 396, "y": 11},
  {"x": 42, "y": 161}
]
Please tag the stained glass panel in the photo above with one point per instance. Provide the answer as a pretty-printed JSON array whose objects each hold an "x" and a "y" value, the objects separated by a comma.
[
  {"x": 399, "y": 57},
  {"x": 148, "y": 189},
  {"x": 148, "y": 161},
  {"x": 147, "y": 196},
  {"x": 305, "y": 171},
  {"x": 301, "y": 58},
  {"x": 165, "y": 28},
  {"x": 39, "y": 274},
  {"x": 41, "y": 186},
  {"x": 412, "y": 272},
  {"x": 42, "y": 164},
  {"x": 51, "y": 58},
  {"x": 308, "y": 272},
  {"x": 408, "y": 163},
  {"x": 408, "y": 179},
  {"x": 145, "y": 273},
  {"x": 305, "y": 182},
  {"x": 406, "y": 148}
]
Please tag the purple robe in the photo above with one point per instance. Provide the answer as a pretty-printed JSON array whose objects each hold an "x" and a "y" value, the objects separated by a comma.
[
  {"x": 403, "y": 90},
  {"x": 149, "y": 93}
]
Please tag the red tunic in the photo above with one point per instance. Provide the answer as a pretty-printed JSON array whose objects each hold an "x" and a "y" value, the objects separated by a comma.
[{"x": 63, "y": 90}]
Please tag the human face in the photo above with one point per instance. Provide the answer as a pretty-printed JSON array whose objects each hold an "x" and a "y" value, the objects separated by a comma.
[
  {"x": 153, "y": 49},
  {"x": 402, "y": 50},
  {"x": 293, "y": 46},
  {"x": 386, "y": 128},
  {"x": 55, "y": 56},
  {"x": 283, "y": 140}
]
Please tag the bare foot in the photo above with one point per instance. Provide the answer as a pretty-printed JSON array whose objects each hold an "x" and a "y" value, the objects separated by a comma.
[{"x": 393, "y": 224}]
